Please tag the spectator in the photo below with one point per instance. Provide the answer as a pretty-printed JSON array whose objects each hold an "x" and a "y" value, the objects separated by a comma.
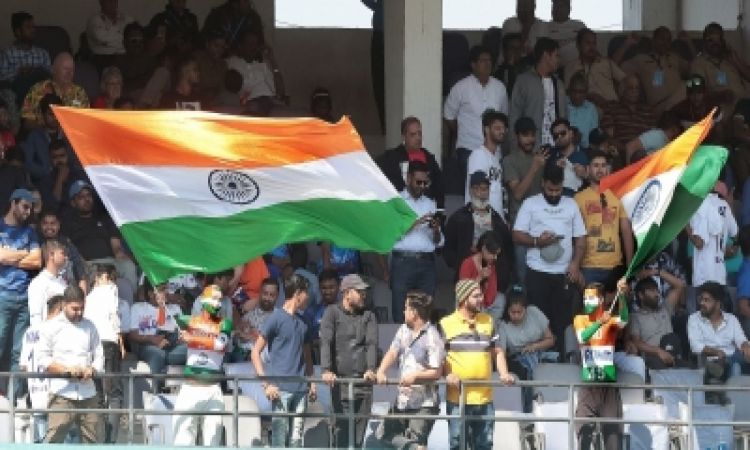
[
  {"x": 514, "y": 63},
  {"x": 160, "y": 81},
  {"x": 551, "y": 227},
  {"x": 600, "y": 140},
  {"x": 349, "y": 349},
  {"x": 522, "y": 168},
  {"x": 609, "y": 234},
  {"x": 394, "y": 163},
  {"x": 69, "y": 346},
  {"x": 564, "y": 31},
  {"x": 487, "y": 159},
  {"x": 630, "y": 117},
  {"x": 36, "y": 146},
  {"x": 655, "y": 139},
  {"x": 582, "y": 114},
  {"x": 468, "y": 99},
  {"x": 328, "y": 282},
  {"x": 136, "y": 65},
  {"x": 538, "y": 93},
  {"x": 661, "y": 71},
  {"x": 20, "y": 254},
  {"x": 212, "y": 67},
  {"x": 184, "y": 95},
  {"x": 49, "y": 282},
  {"x": 420, "y": 361},
  {"x": 716, "y": 338},
  {"x": 54, "y": 186},
  {"x": 743, "y": 280},
  {"x": 569, "y": 156},
  {"x": 482, "y": 268},
  {"x": 233, "y": 18},
  {"x": 413, "y": 256},
  {"x": 525, "y": 336},
  {"x": 669, "y": 277},
  {"x": 601, "y": 73},
  {"x": 700, "y": 103},
  {"x": 23, "y": 64},
  {"x": 12, "y": 176},
  {"x": 103, "y": 309},
  {"x": 252, "y": 320},
  {"x": 111, "y": 86},
  {"x": 651, "y": 328},
  {"x": 61, "y": 84},
  {"x": 74, "y": 271},
  {"x": 207, "y": 336},
  {"x": 105, "y": 32},
  {"x": 597, "y": 330},
  {"x": 288, "y": 339},
  {"x": 469, "y": 336},
  {"x": 222, "y": 281},
  {"x": 526, "y": 24},
  {"x": 181, "y": 24},
  {"x": 251, "y": 278},
  {"x": 94, "y": 234},
  {"x": 255, "y": 61},
  {"x": 153, "y": 330}
]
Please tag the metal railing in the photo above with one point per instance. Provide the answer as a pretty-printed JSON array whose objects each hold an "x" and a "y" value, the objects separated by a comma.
[{"x": 571, "y": 419}]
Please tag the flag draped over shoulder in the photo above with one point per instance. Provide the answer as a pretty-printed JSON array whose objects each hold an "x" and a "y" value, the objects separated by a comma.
[
  {"x": 662, "y": 191},
  {"x": 196, "y": 191}
]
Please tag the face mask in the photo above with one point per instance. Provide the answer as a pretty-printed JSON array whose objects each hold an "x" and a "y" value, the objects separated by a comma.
[
  {"x": 554, "y": 201},
  {"x": 590, "y": 301},
  {"x": 477, "y": 203}
]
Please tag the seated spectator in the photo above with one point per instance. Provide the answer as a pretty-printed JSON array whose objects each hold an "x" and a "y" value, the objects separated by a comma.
[
  {"x": 185, "y": 95},
  {"x": 514, "y": 63},
  {"x": 180, "y": 23},
  {"x": 481, "y": 267},
  {"x": 661, "y": 71},
  {"x": 670, "y": 279},
  {"x": 569, "y": 157},
  {"x": 321, "y": 105},
  {"x": 221, "y": 280},
  {"x": 61, "y": 84},
  {"x": 716, "y": 337},
  {"x": 697, "y": 105},
  {"x": 54, "y": 186},
  {"x": 159, "y": 82},
  {"x": 253, "y": 318},
  {"x": 229, "y": 101},
  {"x": 655, "y": 139},
  {"x": 111, "y": 86},
  {"x": 602, "y": 74},
  {"x": 582, "y": 114},
  {"x": 23, "y": 64},
  {"x": 233, "y": 17},
  {"x": 153, "y": 330},
  {"x": 629, "y": 117},
  {"x": 136, "y": 65},
  {"x": 36, "y": 147},
  {"x": 212, "y": 69},
  {"x": 743, "y": 281},
  {"x": 564, "y": 30},
  {"x": 526, "y": 24},
  {"x": 104, "y": 33},
  {"x": 395, "y": 162},
  {"x": 600, "y": 141},
  {"x": 254, "y": 60},
  {"x": 74, "y": 272}
]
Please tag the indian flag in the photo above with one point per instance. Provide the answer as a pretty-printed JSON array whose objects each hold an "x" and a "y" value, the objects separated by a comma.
[
  {"x": 663, "y": 191},
  {"x": 195, "y": 191}
]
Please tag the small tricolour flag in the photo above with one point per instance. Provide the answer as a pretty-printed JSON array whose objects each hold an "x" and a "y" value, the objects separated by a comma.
[
  {"x": 662, "y": 191},
  {"x": 196, "y": 191}
]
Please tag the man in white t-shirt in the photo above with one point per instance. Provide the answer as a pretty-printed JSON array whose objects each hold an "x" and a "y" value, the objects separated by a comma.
[
  {"x": 552, "y": 228},
  {"x": 48, "y": 282},
  {"x": 488, "y": 158},
  {"x": 526, "y": 24},
  {"x": 563, "y": 29},
  {"x": 711, "y": 229}
]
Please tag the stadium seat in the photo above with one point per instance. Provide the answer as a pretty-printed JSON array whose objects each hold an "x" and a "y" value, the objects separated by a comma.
[
  {"x": 157, "y": 429},
  {"x": 632, "y": 396},
  {"x": 552, "y": 435},
  {"x": 708, "y": 436},
  {"x": 555, "y": 372},
  {"x": 174, "y": 383},
  {"x": 646, "y": 436},
  {"x": 741, "y": 402},
  {"x": 140, "y": 384},
  {"x": 507, "y": 435},
  {"x": 249, "y": 426},
  {"x": 439, "y": 438},
  {"x": 681, "y": 377},
  {"x": 506, "y": 398}
]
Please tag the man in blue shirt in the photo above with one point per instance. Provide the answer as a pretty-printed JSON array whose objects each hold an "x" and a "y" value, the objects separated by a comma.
[{"x": 19, "y": 253}]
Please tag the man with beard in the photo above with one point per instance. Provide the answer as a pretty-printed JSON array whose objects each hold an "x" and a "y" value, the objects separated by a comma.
[
  {"x": 74, "y": 271},
  {"x": 349, "y": 348},
  {"x": 19, "y": 253},
  {"x": 650, "y": 328},
  {"x": 465, "y": 226},
  {"x": 55, "y": 185},
  {"x": 552, "y": 229},
  {"x": 328, "y": 284},
  {"x": 487, "y": 159},
  {"x": 252, "y": 321}
]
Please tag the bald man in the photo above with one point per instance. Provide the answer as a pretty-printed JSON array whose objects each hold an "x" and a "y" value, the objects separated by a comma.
[{"x": 63, "y": 70}]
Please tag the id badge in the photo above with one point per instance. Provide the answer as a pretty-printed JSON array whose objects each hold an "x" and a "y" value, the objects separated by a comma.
[
  {"x": 721, "y": 78},
  {"x": 658, "y": 79}
]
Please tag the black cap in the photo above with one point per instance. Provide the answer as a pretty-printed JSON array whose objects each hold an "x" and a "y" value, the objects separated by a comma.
[
  {"x": 478, "y": 177},
  {"x": 597, "y": 136},
  {"x": 524, "y": 125}
]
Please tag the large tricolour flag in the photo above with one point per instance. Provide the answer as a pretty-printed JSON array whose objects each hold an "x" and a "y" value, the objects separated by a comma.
[
  {"x": 662, "y": 191},
  {"x": 196, "y": 191}
]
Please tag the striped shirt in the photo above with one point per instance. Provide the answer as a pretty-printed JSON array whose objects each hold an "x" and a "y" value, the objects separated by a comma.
[
  {"x": 14, "y": 58},
  {"x": 627, "y": 124}
]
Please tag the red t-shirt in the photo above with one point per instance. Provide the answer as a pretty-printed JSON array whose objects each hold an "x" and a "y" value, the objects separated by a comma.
[{"x": 469, "y": 269}]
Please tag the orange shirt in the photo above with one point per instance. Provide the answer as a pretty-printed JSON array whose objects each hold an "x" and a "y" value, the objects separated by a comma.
[{"x": 253, "y": 274}]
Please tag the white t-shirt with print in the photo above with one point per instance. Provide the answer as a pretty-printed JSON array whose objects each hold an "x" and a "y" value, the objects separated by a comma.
[
  {"x": 143, "y": 317},
  {"x": 714, "y": 223},
  {"x": 38, "y": 387},
  {"x": 549, "y": 116}
]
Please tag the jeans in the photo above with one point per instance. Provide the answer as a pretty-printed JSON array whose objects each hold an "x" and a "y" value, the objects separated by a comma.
[
  {"x": 14, "y": 320},
  {"x": 479, "y": 433},
  {"x": 409, "y": 273},
  {"x": 288, "y": 431},
  {"x": 158, "y": 358},
  {"x": 520, "y": 253}
]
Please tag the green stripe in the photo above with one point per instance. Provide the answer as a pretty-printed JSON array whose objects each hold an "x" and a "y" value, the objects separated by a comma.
[
  {"x": 696, "y": 183},
  {"x": 169, "y": 247}
]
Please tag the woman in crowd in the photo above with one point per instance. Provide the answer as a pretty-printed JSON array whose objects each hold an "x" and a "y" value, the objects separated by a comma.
[
  {"x": 482, "y": 267},
  {"x": 111, "y": 86}
]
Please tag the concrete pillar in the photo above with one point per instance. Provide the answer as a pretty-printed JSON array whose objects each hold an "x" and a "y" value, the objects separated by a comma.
[{"x": 414, "y": 69}]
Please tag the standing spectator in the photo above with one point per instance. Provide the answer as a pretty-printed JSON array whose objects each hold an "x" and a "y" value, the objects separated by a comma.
[
  {"x": 413, "y": 256},
  {"x": 630, "y": 117},
  {"x": 468, "y": 99},
  {"x": 582, "y": 114},
  {"x": 23, "y": 64},
  {"x": 74, "y": 271},
  {"x": 184, "y": 96},
  {"x": 20, "y": 253},
  {"x": 288, "y": 340},
  {"x": 349, "y": 349},
  {"x": 469, "y": 335},
  {"x": 212, "y": 67},
  {"x": 394, "y": 163},
  {"x": 487, "y": 158},
  {"x": 111, "y": 86},
  {"x": 661, "y": 71},
  {"x": 54, "y": 186},
  {"x": 232, "y": 18},
  {"x": 523, "y": 167},
  {"x": 513, "y": 63},
  {"x": 328, "y": 282},
  {"x": 564, "y": 31},
  {"x": 103, "y": 310},
  {"x": 136, "y": 64},
  {"x": 61, "y": 84},
  {"x": 252, "y": 321},
  {"x": 104, "y": 33},
  {"x": 601, "y": 73},
  {"x": 526, "y": 24},
  {"x": 49, "y": 282},
  {"x": 609, "y": 235},
  {"x": 551, "y": 227},
  {"x": 538, "y": 93},
  {"x": 569, "y": 156},
  {"x": 69, "y": 346},
  {"x": 651, "y": 328},
  {"x": 482, "y": 268},
  {"x": 655, "y": 139},
  {"x": 181, "y": 24},
  {"x": 419, "y": 350},
  {"x": 465, "y": 227}
]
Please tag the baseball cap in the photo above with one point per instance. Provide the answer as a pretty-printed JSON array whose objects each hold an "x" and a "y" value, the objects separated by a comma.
[
  {"x": 22, "y": 194},
  {"x": 353, "y": 281},
  {"x": 524, "y": 125},
  {"x": 478, "y": 177},
  {"x": 77, "y": 187}
]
